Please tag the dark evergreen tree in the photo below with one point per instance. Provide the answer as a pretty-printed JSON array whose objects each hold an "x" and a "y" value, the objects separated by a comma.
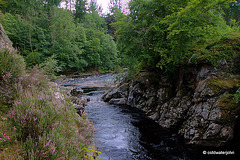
[{"x": 80, "y": 10}]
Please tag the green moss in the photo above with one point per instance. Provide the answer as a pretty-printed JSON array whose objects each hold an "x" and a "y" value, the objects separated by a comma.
[
  {"x": 228, "y": 109},
  {"x": 225, "y": 83},
  {"x": 227, "y": 102},
  {"x": 213, "y": 88},
  {"x": 218, "y": 85}
]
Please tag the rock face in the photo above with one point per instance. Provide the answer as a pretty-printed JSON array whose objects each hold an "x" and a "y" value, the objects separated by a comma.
[
  {"x": 4, "y": 40},
  {"x": 199, "y": 103}
]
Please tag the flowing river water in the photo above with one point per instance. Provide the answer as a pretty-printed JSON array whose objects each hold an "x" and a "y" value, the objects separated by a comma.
[{"x": 125, "y": 133}]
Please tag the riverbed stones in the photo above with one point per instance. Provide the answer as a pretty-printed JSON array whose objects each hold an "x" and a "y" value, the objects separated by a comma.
[
  {"x": 76, "y": 92},
  {"x": 79, "y": 100},
  {"x": 79, "y": 108},
  {"x": 66, "y": 90},
  {"x": 199, "y": 104}
]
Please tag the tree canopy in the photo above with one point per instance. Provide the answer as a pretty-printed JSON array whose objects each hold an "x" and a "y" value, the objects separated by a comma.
[
  {"x": 78, "y": 39},
  {"x": 154, "y": 35},
  {"x": 161, "y": 35}
]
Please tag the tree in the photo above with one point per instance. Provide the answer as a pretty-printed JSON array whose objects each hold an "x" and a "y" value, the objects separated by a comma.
[
  {"x": 3, "y": 4},
  {"x": 115, "y": 8},
  {"x": 80, "y": 10},
  {"x": 115, "y": 4},
  {"x": 52, "y": 2},
  {"x": 93, "y": 6},
  {"x": 160, "y": 34},
  {"x": 39, "y": 29},
  {"x": 232, "y": 11},
  {"x": 108, "y": 53},
  {"x": 62, "y": 30}
]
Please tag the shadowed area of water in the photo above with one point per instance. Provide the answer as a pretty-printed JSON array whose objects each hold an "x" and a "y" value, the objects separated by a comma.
[{"x": 125, "y": 133}]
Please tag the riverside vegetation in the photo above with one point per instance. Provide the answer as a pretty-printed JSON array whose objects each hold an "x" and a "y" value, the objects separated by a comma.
[{"x": 35, "y": 124}]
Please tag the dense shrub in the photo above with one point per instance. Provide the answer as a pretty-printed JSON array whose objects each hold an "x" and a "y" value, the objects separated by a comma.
[
  {"x": 50, "y": 67},
  {"x": 49, "y": 127},
  {"x": 12, "y": 68},
  {"x": 33, "y": 58},
  {"x": 237, "y": 95},
  {"x": 35, "y": 79},
  {"x": 37, "y": 124}
]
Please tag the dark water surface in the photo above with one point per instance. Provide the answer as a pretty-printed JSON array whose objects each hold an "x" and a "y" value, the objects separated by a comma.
[{"x": 125, "y": 133}]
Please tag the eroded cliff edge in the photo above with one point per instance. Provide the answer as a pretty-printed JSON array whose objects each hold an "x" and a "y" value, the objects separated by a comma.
[
  {"x": 4, "y": 40},
  {"x": 199, "y": 103}
]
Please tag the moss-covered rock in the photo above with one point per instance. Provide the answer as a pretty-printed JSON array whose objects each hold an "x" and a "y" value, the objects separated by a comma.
[
  {"x": 224, "y": 83},
  {"x": 216, "y": 85},
  {"x": 229, "y": 109}
]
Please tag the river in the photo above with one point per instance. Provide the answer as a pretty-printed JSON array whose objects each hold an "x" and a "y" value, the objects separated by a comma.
[{"x": 125, "y": 133}]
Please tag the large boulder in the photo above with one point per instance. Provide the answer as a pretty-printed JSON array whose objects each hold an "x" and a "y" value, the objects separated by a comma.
[{"x": 76, "y": 92}]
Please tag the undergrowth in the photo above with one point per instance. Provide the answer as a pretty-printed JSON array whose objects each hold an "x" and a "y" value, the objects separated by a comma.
[{"x": 34, "y": 123}]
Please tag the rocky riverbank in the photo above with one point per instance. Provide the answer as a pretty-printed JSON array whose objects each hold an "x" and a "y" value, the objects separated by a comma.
[
  {"x": 73, "y": 92},
  {"x": 199, "y": 103}
]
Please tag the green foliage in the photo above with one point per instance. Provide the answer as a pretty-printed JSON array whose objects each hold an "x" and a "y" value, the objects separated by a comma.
[
  {"x": 237, "y": 96},
  {"x": 163, "y": 34},
  {"x": 232, "y": 12},
  {"x": 12, "y": 67},
  {"x": 50, "y": 67},
  {"x": 33, "y": 58},
  {"x": 63, "y": 33},
  {"x": 222, "y": 52},
  {"x": 78, "y": 40},
  {"x": 80, "y": 10}
]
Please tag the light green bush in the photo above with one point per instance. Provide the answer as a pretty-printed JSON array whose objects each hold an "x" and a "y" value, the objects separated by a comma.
[{"x": 50, "y": 67}]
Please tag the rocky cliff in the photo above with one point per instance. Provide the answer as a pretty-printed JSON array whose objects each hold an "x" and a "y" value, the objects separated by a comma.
[
  {"x": 199, "y": 103},
  {"x": 4, "y": 40}
]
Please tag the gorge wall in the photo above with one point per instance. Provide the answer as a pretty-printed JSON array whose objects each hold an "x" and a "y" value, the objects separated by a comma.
[
  {"x": 4, "y": 40},
  {"x": 199, "y": 103}
]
